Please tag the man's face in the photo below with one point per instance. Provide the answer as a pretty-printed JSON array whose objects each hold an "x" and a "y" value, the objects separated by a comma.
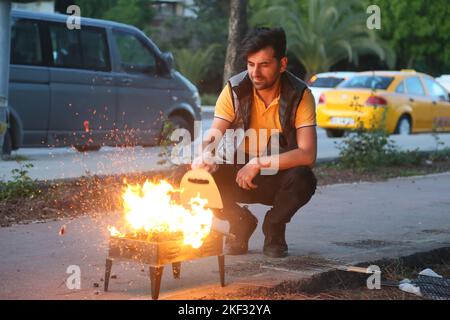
[{"x": 264, "y": 69}]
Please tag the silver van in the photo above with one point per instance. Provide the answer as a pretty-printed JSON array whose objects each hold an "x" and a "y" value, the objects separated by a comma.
[{"x": 104, "y": 84}]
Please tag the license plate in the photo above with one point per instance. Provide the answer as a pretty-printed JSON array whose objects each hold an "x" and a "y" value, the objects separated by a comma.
[{"x": 342, "y": 121}]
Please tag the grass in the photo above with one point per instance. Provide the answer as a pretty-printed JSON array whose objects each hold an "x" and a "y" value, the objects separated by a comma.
[
  {"x": 16, "y": 157},
  {"x": 209, "y": 99}
]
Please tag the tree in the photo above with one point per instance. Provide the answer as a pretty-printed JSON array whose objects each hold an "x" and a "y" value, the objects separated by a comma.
[
  {"x": 208, "y": 26},
  {"x": 322, "y": 33},
  {"x": 419, "y": 31},
  {"x": 135, "y": 12},
  {"x": 237, "y": 27},
  {"x": 194, "y": 64}
]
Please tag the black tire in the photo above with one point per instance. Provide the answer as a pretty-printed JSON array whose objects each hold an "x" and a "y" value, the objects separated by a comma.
[
  {"x": 85, "y": 148},
  {"x": 178, "y": 122},
  {"x": 181, "y": 122},
  {"x": 7, "y": 145},
  {"x": 399, "y": 126},
  {"x": 335, "y": 133}
]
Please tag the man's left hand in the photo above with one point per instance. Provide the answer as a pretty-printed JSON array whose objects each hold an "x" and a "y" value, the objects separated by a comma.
[{"x": 246, "y": 175}]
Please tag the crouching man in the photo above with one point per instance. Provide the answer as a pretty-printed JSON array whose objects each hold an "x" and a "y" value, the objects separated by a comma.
[{"x": 265, "y": 97}]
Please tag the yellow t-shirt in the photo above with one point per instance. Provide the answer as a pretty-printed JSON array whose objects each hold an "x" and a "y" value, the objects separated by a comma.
[{"x": 263, "y": 118}]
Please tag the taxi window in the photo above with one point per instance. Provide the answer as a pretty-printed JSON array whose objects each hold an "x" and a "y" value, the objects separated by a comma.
[
  {"x": 435, "y": 90},
  {"x": 400, "y": 88},
  {"x": 414, "y": 86},
  {"x": 367, "y": 82}
]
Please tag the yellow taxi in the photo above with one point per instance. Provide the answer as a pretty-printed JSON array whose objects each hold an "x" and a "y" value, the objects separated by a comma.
[{"x": 401, "y": 102}]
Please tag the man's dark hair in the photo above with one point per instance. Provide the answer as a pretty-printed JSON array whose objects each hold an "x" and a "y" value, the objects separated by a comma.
[{"x": 260, "y": 38}]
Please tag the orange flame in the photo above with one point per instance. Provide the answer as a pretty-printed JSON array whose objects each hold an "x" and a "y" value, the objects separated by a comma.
[{"x": 150, "y": 209}]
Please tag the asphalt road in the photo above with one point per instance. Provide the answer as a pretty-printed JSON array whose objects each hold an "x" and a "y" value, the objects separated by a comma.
[{"x": 60, "y": 163}]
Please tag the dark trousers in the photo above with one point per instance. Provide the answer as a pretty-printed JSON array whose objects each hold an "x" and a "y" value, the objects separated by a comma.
[{"x": 286, "y": 192}]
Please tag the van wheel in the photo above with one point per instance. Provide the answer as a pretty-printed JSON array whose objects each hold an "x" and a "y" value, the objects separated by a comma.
[
  {"x": 335, "y": 133},
  {"x": 403, "y": 126},
  {"x": 7, "y": 145},
  {"x": 176, "y": 122},
  {"x": 85, "y": 148}
]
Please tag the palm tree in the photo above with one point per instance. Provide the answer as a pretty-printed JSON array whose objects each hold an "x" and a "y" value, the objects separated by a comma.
[
  {"x": 324, "y": 32},
  {"x": 193, "y": 64}
]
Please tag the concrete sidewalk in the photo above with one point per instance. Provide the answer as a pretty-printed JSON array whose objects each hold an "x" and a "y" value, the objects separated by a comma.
[{"x": 346, "y": 223}]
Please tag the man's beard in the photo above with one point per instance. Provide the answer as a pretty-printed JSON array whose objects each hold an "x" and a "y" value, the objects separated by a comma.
[{"x": 263, "y": 85}]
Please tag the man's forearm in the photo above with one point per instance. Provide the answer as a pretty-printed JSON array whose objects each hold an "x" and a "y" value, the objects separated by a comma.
[{"x": 290, "y": 159}]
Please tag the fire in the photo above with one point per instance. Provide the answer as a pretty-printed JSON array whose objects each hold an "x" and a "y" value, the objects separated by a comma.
[{"x": 150, "y": 209}]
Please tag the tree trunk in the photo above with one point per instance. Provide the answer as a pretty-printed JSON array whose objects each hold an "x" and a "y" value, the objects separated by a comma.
[{"x": 237, "y": 28}]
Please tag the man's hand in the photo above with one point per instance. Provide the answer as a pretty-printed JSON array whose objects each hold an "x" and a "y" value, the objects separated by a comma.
[
  {"x": 246, "y": 175},
  {"x": 205, "y": 161}
]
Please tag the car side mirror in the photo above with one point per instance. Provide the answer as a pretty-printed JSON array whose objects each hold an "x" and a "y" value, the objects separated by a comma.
[{"x": 168, "y": 61}]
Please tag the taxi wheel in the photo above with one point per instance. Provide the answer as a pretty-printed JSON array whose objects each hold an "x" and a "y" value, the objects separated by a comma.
[
  {"x": 403, "y": 126},
  {"x": 335, "y": 133}
]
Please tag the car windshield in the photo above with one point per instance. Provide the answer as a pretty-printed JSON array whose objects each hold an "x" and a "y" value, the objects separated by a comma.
[
  {"x": 326, "y": 82},
  {"x": 367, "y": 82}
]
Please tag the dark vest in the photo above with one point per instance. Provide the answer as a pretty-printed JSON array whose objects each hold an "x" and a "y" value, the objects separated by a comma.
[{"x": 292, "y": 89}]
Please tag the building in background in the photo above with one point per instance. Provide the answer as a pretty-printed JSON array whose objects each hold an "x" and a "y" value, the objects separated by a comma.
[
  {"x": 163, "y": 8},
  {"x": 36, "y": 6}
]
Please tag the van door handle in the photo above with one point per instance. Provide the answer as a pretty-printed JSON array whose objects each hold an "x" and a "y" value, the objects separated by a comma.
[
  {"x": 107, "y": 79},
  {"x": 411, "y": 99}
]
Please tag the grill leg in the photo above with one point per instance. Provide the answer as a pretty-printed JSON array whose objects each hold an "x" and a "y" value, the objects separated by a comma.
[
  {"x": 221, "y": 259},
  {"x": 107, "y": 272},
  {"x": 155, "y": 280},
  {"x": 176, "y": 270}
]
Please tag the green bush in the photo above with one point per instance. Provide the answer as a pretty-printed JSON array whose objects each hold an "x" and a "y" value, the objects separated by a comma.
[
  {"x": 209, "y": 99},
  {"x": 21, "y": 185}
]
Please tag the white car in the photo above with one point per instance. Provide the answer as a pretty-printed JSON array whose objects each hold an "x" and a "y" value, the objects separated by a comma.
[
  {"x": 322, "y": 82},
  {"x": 444, "y": 81}
]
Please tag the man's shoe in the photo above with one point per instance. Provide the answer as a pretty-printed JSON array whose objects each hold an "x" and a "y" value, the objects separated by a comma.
[
  {"x": 275, "y": 245},
  {"x": 242, "y": 228},
  {"x": 275, "y": 251}
]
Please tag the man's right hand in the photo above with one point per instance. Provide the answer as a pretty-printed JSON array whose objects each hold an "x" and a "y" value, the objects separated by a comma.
[{"x": 205, "y": 161}]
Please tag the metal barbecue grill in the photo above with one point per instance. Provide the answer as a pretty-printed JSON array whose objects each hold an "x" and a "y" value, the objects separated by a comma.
[{"x": 160, "y": 250}]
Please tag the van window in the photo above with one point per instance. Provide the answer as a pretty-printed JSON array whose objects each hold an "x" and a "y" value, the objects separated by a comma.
[
  {"x": 66, "y": 49},
  {"x": 85, "y": 49},
  {"x": 95, "y": 50},
  {"x": 414, "y": 86},
  {"x": 134, "y": 56},
  {"x": 25, "y": 43}
]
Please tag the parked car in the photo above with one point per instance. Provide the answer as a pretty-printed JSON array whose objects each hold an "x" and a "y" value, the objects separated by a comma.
[
  {"x": 104, "y": 84},
  {"x": 325, "y": 81},
  {"x": 402, "y": 102}
]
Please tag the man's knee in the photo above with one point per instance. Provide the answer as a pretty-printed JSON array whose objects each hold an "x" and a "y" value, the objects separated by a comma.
[{"x": 301, "y": 181}]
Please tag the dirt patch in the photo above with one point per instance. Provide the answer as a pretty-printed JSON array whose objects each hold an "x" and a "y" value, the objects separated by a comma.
[
  {"x": 93, "y": 195},
  {"x": 327, "y": 174}
]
